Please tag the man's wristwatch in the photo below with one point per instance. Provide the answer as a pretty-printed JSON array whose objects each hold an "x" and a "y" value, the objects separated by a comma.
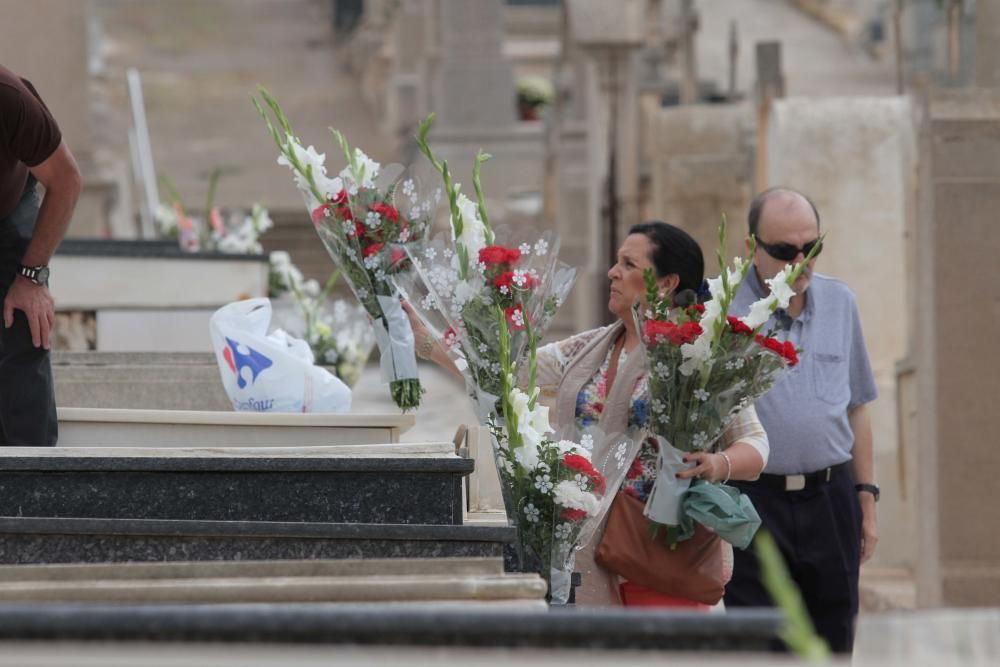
[
  {"x": 36, "y": 274},
  {"x": 870, "y": 488}
]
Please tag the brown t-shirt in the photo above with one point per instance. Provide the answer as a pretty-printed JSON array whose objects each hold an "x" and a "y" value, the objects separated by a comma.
[{"x": 28, "y": 136}]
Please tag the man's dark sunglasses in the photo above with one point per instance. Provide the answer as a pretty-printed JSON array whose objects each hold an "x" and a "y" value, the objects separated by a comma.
[{"x": 786, "y": 252}]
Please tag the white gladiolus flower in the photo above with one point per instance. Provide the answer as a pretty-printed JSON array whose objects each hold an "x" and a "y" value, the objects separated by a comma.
[
  {"x": 527, "y": 455},
  {"x": 532, "y": 425},
  {"x": 760, "y": 312},
  {"x": 473, "y": 231},
  {"x": 781, "y": 294},
  {"x": 780, "y": 288},
  {"x": 367, "y": 171},
  {"x": 308, "y": 157}
]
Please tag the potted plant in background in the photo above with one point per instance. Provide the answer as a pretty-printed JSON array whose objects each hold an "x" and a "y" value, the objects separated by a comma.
[{"x": 533, "y": 94}]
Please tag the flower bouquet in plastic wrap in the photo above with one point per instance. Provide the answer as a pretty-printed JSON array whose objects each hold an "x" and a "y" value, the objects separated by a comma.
[
  {"x": 233, "y": 232},
  {"x": 704, "y": 367},
  {"x": 359, "y": 222},
  {"x": 557, "y": 490},
  {"x": 456, "y": 282}
]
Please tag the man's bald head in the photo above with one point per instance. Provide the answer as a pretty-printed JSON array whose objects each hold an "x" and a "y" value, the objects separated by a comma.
[{"x": 778, "y": 197}]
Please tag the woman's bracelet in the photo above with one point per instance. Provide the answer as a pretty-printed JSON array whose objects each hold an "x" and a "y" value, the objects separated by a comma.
[
  {"x": 729, "y": 467},
  {"x": 426, "y": 347}
]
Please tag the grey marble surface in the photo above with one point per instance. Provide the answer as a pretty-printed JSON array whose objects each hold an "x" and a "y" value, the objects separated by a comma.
[
  {"x": 737, "y": 630},
  {"x": 67, "y": 462},
  {"x": 372, "y": 496},
  {"x": 31, "y": 540}
]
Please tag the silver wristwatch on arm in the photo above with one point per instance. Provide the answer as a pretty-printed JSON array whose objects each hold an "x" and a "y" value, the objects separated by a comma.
[{"x": 36, "y": 274}]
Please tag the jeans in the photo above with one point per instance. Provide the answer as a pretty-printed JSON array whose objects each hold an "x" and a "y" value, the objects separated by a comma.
[{"x": 27, "y": 396}]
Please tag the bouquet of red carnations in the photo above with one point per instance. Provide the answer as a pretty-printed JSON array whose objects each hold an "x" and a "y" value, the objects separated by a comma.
[
  {"x": 704, "y": 366},
  {"x": 363, "y": 230}
]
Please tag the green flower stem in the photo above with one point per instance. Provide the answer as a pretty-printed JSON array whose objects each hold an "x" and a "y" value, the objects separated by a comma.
[
  {"x": 286, "y": 128},
  {"x": 482, "y": 157}
]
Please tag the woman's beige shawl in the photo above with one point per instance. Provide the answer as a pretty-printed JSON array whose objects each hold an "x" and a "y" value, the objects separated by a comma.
[{"x": 599, "y": 587}]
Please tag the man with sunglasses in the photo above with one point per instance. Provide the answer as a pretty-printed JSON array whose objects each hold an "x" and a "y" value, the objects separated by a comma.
[{"x": 817, "y": 494}]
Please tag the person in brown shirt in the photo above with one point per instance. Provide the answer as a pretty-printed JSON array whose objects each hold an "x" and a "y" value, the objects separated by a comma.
[{"x": 31, "y": 151}]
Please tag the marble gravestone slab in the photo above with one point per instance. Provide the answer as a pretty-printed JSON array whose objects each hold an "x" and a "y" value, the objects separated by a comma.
[
  {"x": 28, "y": 540},
  {"x": 241, "y": 486}
]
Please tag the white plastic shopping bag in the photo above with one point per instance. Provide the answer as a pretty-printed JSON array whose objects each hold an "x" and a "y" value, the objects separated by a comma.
[{"x": 270, "y": 373}]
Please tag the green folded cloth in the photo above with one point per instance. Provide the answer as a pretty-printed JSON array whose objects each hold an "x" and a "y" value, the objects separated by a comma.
[{"x": 720, "y": 508}]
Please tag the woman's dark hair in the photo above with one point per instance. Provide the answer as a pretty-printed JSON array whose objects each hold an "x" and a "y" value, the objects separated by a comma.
[{"x": 674, "y": 251}]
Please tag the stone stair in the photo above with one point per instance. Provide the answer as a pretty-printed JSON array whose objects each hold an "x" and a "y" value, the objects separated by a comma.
[
  {"x": 304, "y": 581},
  {"x": 320, "y": 485},
  {"x": 102, "y": 505}
]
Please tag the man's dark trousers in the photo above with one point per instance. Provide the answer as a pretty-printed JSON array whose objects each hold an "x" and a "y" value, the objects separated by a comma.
[
  {"x": 818, "y": 531},
  {"x": 27, "y": 399}
]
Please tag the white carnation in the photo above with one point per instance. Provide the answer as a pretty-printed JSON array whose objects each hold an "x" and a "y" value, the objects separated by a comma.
[{"x": 568, "y": 494}]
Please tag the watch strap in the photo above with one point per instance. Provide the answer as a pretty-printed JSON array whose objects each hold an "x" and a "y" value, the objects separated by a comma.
[{"x": 870, "y": 488}]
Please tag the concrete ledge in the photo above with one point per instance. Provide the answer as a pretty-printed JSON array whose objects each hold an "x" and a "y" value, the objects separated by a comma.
[
  {"x": 529, "y": 588},
  {"x": 250, "y": 569},
  {"x": 186, "y": 428}
]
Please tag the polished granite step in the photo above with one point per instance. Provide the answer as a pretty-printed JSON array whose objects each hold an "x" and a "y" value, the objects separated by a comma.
[
  {"x": 32, "y": 540},
  {"x": 313, "y": 484}
]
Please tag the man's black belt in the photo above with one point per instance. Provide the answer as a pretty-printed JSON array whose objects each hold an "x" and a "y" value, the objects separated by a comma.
[{"x": 799, "y": 482}]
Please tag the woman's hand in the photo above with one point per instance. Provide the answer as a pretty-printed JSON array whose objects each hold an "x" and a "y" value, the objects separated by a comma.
[{"x": 709, "y": 467}]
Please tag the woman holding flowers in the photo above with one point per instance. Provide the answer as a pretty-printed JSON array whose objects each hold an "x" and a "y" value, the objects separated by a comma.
[{"x": 599, "y": 378}]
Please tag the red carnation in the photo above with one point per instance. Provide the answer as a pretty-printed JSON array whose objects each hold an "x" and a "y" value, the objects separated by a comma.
[
  {"x": 341, "y": 197},
  {"x": 651, "y": 329},
  {"x": 506, "y": 279},
  {"x": 785, "y": 349},
  {"x": 687, "y": 332},
  {"x": 738, "y": 326},
  {"x": 344, "y": 213},
  {"x": 790, "y": 353},
  {"x": 359, "y": 229},
  {"x": 386, "y": 211},
  {"x": 372, "y": 249},
  {"x": 696, "y": 308},
  {"x": 515, "y": 317},
  {"x": 396, "y": 256},
  {"x": 319, "y": 213},
  {"x": 570, "y": 514},
  {"x": 496, "y": 254},
  {"x": 579, "y": 463},
  {"x": 675, "y": 334}
]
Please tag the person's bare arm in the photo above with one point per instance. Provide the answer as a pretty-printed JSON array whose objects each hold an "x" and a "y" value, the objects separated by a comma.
[
  {"x": 61, "y": 178},
  {"x": 427, "y": 347},
  {"x": 864, "y": 473}
]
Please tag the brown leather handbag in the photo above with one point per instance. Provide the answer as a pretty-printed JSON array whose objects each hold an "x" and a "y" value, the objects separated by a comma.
[{"x": 692, "y": 570}]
